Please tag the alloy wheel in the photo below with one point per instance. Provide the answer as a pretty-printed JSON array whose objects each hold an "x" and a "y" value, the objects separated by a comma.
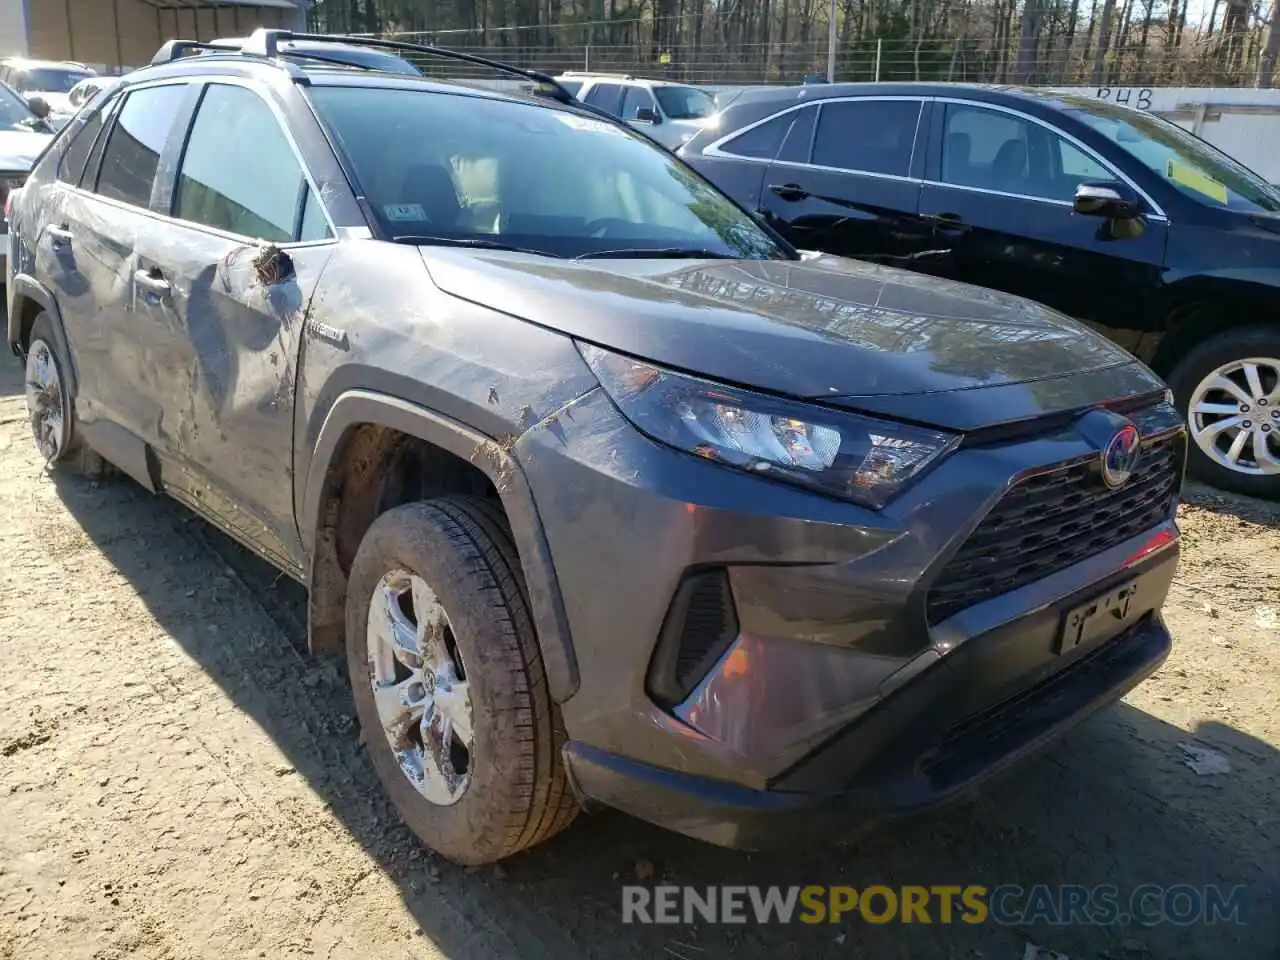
[
  {"x": 46, "y": 401},
  {"x": 420, "y": 687},
  {"x": 1234, "y": 416}
]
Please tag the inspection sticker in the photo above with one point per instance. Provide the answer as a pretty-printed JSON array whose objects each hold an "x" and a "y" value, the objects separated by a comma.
[
  {"x": 404, "y": 211},
  {"x": 1193, "y": 179}
]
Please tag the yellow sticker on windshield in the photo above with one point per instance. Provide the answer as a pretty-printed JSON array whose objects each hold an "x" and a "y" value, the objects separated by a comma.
[{"x": 1193, "y": 179}]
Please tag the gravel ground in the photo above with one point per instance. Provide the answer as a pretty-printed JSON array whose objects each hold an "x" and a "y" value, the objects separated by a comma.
[{"x": 177, "y": 779}]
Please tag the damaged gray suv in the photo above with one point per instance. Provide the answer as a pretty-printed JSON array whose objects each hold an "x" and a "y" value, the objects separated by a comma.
[{"x": 608, "y": 494}]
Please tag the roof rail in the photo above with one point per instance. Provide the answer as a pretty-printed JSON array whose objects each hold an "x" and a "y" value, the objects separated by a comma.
[
  {"x": 265, "y": 42},
  {"x": 597, "y": 73},
  {"x": 177, "y": 49}
]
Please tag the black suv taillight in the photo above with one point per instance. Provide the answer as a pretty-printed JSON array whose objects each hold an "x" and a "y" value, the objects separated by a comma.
[{"x": 700, "y": 625}]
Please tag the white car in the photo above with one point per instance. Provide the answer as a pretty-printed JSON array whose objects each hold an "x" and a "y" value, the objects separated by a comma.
[
  {"x": 669, "y": 112},
  {"x": 50, "y": 80},
  {"x": 23, "y": 137},
  {"x": 88, "y": 88}
]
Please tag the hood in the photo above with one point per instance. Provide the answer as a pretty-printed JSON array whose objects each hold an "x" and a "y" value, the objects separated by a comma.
[
  {"x": 821, "y": 328},
  {"x": 19, "y": 149}
]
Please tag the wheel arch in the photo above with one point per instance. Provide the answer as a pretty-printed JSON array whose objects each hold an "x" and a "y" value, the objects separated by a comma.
[
  {"x": 1200, "y": 308},
  {"x": 29, "y": 297},
  {"x": 361, "y": 428}
]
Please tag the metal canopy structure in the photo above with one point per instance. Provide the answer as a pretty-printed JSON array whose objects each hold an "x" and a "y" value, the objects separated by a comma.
[
  {"x": 117, "y": 35},
  {"x": 214, "y": 4}
]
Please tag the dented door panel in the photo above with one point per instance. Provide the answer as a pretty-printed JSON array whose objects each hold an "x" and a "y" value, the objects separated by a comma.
[{"x": 231, "y": 321}]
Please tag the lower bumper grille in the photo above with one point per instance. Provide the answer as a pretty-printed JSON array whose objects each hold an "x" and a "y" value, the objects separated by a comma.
[{"x": 1052, "y": 520}]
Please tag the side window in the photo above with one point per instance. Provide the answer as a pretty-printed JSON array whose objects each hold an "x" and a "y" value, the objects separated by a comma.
[
  {"x": 761, "y": 142},
  {"x": 605, "y": 96},
  {"x": 314, "y": 226},
  {"x": 1079, "y": 166},
  {"x": 1006, "y": 153},
  {"x": 573, "y": 86},
  {"x": 235, "y": 132},
  {"x": 799, "y": 139},
  {"x": 872, "y": 136},
  {"x": 634, "y": 99},
  {"x": 76, "y": 155},
  {"x": 133, "y": 148}
]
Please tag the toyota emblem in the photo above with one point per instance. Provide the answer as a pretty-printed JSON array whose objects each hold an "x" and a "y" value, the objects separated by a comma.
[{"x": 1120, "y": 457}]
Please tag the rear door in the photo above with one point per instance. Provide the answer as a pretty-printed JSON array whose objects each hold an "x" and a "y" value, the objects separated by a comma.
[
  {"x": 853, "y": 189},
  {"x": 231, "y": 279},
  {"x": 999, "y": 193},
  {"x": 87, "y": 251}
]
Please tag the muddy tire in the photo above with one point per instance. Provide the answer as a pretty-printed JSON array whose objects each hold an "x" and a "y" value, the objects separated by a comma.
[
  {"x": 51, "y": 407},
  {"x": 448, "y": 681},
  {"x": 1228, "y": 388}
]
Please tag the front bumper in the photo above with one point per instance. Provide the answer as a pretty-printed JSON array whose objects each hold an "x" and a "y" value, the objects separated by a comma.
[
  {"x": 924, "y": 755},
  {"x": 835, "y": 697}
]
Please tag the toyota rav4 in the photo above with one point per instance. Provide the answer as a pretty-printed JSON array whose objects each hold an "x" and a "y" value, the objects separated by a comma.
[{"x": 607, "y": 493}]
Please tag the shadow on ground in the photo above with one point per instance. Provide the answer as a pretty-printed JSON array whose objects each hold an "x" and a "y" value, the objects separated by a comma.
[{"x": 1110, "y": 804}]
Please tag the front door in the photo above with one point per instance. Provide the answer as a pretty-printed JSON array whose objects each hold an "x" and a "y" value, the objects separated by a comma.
[
  {"x": 847, "y": 187},
  {"x": 999, "y": 195},
  {"x": 232, "y": 277}
]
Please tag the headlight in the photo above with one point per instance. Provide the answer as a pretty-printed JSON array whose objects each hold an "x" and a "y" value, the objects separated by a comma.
[{"x": 841, "y": 454}]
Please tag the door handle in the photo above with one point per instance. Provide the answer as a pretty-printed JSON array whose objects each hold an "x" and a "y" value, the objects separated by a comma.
[
  {"x": 153, "y": 283},
  {"x": 60, "y": 236},
  {"x": 788, "y": 191}
]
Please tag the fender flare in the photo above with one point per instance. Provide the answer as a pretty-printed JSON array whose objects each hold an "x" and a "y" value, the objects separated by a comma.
[
  {"x": 27, "y": 288},
  {"x": 355, "y": 407}
]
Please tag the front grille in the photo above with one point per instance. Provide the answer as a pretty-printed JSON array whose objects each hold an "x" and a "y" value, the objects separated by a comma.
[{"x": 1052, "y": 520}]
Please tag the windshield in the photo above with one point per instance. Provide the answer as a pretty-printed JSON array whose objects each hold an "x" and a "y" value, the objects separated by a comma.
[
  {"x": 499, "y": 172},
  {"x": 1183, "y": 160},
  {"x": 50, "y": 79},
  {"x": 685, "y": 103},
  {"x": 13, "y": 110}
]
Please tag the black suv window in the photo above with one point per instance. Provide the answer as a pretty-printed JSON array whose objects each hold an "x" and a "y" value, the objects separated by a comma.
[
  {"x": 799, "y": 141},
  {"x": 132, "y": 153},
  {"x": 634, "y": 99},
  {"x": 761, "y": 142},
  {"x": 872, "y": 136},
  {"x": 239, "y": 172},
  {"x": 605, "y": 96}
]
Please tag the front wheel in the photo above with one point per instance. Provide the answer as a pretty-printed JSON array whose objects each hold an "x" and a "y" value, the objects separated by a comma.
[
  {"x": 1229, "y": 389},
  {"x": 448, "y": 681}
]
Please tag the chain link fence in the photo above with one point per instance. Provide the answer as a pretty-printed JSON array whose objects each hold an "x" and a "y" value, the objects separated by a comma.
[{"x": 712, "y": 60}]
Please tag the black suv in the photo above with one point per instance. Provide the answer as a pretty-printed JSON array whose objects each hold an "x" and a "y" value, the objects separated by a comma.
[
  {"x": 606, "y": 491},
  {"x": 1110, "y": 214}
]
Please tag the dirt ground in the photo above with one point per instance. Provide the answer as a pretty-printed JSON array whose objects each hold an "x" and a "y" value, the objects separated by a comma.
[{"x": 177, "y": 779}]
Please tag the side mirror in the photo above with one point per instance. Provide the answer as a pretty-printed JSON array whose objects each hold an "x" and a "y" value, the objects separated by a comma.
[
  {"x": 647, "y": 115},
  {"x": 39, "y": 106},
  {"x": 1109, "y": 200}
]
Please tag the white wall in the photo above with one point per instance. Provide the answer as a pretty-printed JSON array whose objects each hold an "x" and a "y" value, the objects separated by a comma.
[
  {"x": 1242, "y": 123},
  {"x": 13, "y": 29}
]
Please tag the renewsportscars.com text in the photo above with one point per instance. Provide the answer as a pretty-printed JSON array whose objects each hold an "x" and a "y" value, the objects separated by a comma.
[{"x": 1065, "y": 904}]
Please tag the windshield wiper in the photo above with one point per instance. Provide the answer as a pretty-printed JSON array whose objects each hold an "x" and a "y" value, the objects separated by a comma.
[
  {"x": 476, "y": 243},
  {"x": 659, "y": 253}
]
